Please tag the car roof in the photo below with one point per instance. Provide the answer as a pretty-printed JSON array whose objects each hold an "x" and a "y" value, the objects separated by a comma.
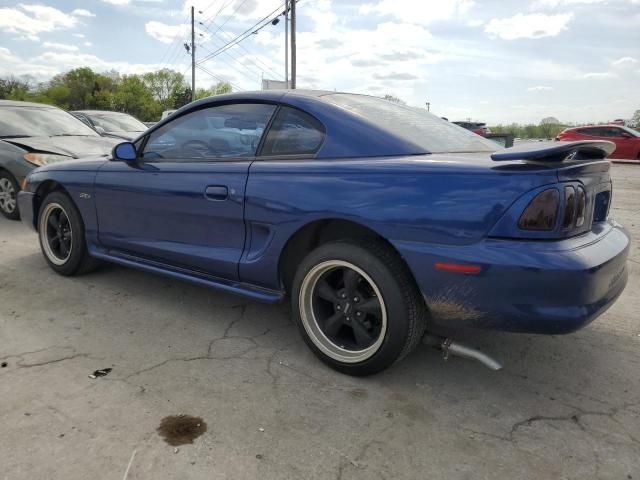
[
  {"x": 98, "y": 112},
  {"x": 600, "y": 125},
  {"x": 345, "y": 130},
  {"x": 16, "y": 103}
]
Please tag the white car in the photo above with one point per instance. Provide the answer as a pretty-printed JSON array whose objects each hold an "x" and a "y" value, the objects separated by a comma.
[{"x": 166, "y": 113}]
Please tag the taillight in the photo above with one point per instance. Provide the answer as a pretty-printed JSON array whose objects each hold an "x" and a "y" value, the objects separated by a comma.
[
  {"x": 569, "y": 207},
  {"x": 542, "y": 212},
  {"x": 581, "y": 206}
]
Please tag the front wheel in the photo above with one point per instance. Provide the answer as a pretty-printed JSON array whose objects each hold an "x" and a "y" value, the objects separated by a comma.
[
  {"x": 62, "y": 238},
  {"x": 357, "y": 306},
  {"x": 8, "y": 193}
]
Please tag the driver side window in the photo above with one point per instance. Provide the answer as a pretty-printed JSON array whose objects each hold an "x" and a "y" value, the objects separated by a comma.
[{"x": 226, "y": 131}]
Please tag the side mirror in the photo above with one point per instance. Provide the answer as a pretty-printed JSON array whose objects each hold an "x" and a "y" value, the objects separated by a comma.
[
  {"x": 626, "y": 135},
  {"x": 125, "y": 151},
  {"x": 99, "y": 129}
]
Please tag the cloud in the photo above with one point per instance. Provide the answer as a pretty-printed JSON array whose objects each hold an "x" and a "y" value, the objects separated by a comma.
[
  {"x": 421, "y": 13},
  {"x": 539, "y": 88},
  {"x": 362, "y": 62},
  {"x": 402, "y": 56},
  {"x": 166, "y": 33},
  {"x": 88, "y": 44},
  {"x": 624, "y": 62},
  {"x": 6, "y": 55},
  {"x": 81, "y": 12},
  {"x": 395, "y": 76},
  {"x": 535, "y": 25},
  {"x": 78, "y": 35},
  {"x": 117, "y": 2},
  {"x": 60, "y": 46},
  {"x": 561, "y": 3},
  {"x": 599, "y": 75},
  {"x": 30, "y": 20}
]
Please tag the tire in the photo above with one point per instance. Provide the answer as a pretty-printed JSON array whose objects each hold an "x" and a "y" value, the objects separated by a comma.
[
  {"x": 9, "y": 189},
  {"x": 62, "y": 236},
  {"x": 352, "y": 341}
]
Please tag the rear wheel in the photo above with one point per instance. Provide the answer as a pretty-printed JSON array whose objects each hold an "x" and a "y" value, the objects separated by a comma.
[
  {"x": 62, "y": 238},
  {"x": 357, "y": 306},
  {"x": 8, "y": 196}
]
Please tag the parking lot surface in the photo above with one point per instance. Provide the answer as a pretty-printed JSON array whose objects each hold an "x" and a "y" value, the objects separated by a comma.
[{"x": 563, "y": 406}]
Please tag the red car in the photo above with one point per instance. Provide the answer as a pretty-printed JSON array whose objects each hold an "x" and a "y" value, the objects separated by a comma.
[{"x": 626, "y": 139}]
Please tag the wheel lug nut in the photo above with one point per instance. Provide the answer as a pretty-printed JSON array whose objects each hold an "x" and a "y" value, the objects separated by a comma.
[
  {"x": 339, "y": 307},
  {"x": 358, "y": 314},
  {"x": 356, "y": 299},
  {"x": 344, "y": 295}
]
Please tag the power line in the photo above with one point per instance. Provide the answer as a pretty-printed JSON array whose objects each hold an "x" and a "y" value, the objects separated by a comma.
[
  {"x": 222, "y": 7},
  {"x": 247, "y": 58},
  {"x": 243, "y": 35},
  {"x": 251, "y": 73},
  {"x": 229, "y": 16},
  {"x": 205, "y": 70},
  {"x": 172, "y": 47}
]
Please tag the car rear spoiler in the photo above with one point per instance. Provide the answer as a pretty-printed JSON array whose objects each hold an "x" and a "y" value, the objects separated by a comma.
[{"x": 558, "y": 151}]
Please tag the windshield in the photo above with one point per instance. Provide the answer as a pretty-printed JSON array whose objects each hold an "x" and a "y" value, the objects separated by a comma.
[
  {"x": 117, "y": 122},
  {"x": 633, "y": 132},
  {"x": 40, "y": 122},
  {"x": 415, "y": 125}
]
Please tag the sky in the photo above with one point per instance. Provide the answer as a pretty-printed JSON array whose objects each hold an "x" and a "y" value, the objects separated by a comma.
[{"x": 495, "y": 61}]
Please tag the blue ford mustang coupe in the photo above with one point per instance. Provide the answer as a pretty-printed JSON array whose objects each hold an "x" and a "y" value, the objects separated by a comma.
[{"x": 377, "y": 219}]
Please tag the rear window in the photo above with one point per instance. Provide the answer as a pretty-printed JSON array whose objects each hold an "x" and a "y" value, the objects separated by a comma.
[
  {"x": 293, "y": 132},
  {"x": 415, "y": 125}
]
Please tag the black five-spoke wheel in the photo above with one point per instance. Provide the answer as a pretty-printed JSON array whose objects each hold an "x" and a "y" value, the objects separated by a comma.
[
  {"x": 357, "y": 305},
  {"x": 344, "y": 310},
  {"x": 56, "y": 233}
]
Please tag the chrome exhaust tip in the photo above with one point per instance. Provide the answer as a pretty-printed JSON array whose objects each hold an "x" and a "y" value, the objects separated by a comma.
[{"x": 450, "y": 347}]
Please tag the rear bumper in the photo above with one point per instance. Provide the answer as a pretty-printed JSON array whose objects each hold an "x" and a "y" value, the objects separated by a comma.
[
  {"x": 547, "y": 287},
  {"x": 25, "y": 205}
]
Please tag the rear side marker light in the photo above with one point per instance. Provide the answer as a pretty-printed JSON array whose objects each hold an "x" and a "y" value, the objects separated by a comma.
[
  {"x": 542, "y": 212},
  {"x": 457, "y": 267}
]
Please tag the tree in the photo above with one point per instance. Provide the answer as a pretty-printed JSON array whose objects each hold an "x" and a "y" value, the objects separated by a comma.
[
  {"x": 13, "y": 88},
  {"x": 181, "y": 98},
  {"x": 635, "y": 120},
  {"x": 550, "y": 127},
  {"x": 218, "y": 89},
  {"x": 393, "y": 98},
  {"x": 549, "y": 120},
  {"x": 134, "y": 97},
  {"x": 164, "y": 85}
]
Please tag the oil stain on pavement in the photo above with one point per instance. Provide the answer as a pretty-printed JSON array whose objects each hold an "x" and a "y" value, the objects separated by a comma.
[{"x": 181, "y": 429}]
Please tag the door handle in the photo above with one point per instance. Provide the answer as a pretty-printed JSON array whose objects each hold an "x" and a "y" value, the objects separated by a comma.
[{"x": 216, "y": 192}]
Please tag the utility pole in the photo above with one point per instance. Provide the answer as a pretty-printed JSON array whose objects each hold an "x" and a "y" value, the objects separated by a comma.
[
  {"x": 293, "y": 44},
  {"x": 193, "y": 57},
  {"x": 286, "y": 43}
]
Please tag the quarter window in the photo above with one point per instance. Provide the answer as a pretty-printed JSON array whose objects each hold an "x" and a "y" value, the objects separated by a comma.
[
  {"x": 293, "y": 133},
  {"x": 226, "y": 131}
]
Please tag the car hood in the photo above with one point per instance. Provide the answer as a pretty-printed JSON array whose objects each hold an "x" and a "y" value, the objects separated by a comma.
[
  {"x": 124, "y": 135},
  {"x": 82, "y": 165},
  {"x": 73, "y": 146}
]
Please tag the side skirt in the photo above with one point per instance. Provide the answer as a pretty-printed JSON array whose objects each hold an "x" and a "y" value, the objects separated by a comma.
[{"x": 239, "y": 288}]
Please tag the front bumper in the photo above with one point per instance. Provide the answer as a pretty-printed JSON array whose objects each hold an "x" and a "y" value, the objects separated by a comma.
[
  {"x": 26, "y": 207},
  {"x": 547, "y": 287}
]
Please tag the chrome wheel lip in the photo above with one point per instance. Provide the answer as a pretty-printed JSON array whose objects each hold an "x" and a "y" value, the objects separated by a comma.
[
  {"x": 312, "y": 327},
  {"x": 45, "y": 240},
  {"x": 7, "y": 196}
]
